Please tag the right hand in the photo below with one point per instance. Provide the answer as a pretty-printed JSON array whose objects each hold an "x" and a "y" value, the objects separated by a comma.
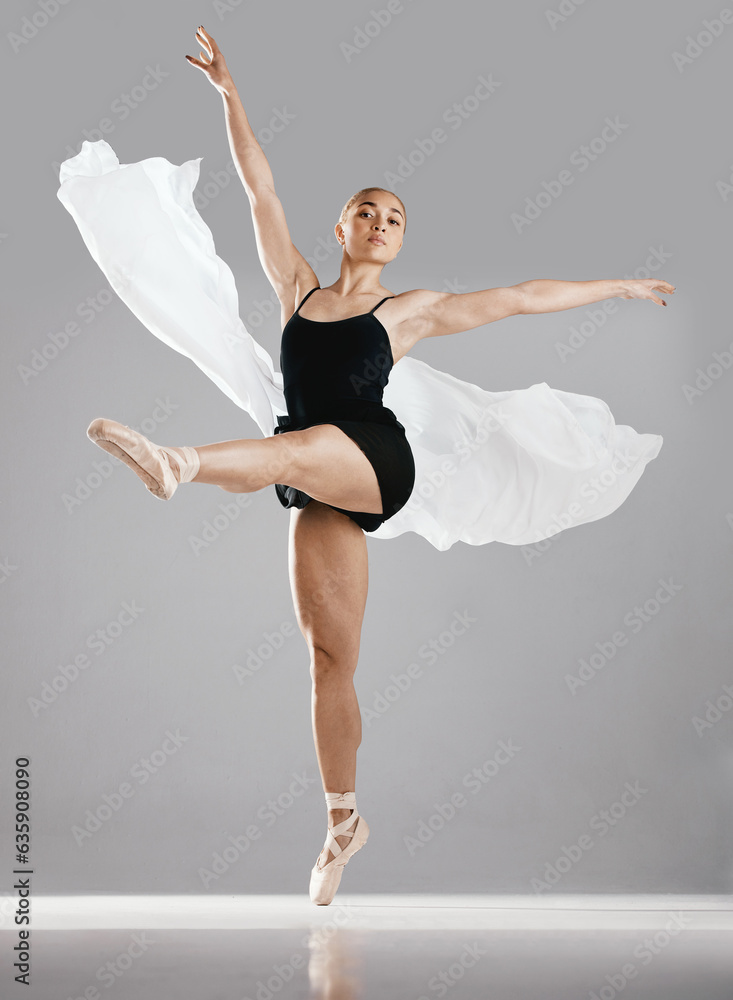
[{"x": 213, "y": 65}]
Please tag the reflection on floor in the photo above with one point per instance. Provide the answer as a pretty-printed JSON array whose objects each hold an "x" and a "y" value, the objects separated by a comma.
[{"x": 387, "y": 947}]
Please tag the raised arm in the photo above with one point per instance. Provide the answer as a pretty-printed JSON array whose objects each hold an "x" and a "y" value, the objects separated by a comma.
[
  {"x": 284, "y": 266},
  {"x": 434, "y": 314}
]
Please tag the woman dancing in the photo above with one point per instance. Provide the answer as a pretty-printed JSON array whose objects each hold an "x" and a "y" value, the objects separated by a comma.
[{"x": 340, "y": 459}]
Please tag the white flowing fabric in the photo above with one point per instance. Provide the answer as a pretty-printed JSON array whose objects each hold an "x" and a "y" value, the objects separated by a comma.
[{"x": 515, "y": 466}]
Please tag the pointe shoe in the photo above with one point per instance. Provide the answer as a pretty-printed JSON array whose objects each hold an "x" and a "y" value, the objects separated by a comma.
[
  {"x": 325, "y": 881},
  {"x": 149, "y": 461}
]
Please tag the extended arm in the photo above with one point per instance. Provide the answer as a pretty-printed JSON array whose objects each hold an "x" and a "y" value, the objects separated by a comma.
[
  {"x": 251, "y": 162},
  {"x": 543, "y": 295},
  {"x": 281, "y": 261},
  {"x": 434, "y": 314}
]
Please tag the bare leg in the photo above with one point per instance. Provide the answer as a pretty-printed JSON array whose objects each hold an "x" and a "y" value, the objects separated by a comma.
[
  {"x": 329, "y": 577},
  {"x": 322, "y": 461}
]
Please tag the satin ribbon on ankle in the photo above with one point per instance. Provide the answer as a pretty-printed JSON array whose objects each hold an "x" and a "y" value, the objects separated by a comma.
[{"x": 188, "y": 465}]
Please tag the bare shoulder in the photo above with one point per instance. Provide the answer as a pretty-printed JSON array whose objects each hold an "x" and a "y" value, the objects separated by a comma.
[{"x": 424, "y": 313}]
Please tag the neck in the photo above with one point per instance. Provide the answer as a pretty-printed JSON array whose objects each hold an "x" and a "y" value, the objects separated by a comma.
[{"x": 358, "y": 277}]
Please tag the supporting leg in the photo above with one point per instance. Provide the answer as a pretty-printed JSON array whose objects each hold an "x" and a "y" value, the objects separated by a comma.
[{"x": 329, "y": 579}]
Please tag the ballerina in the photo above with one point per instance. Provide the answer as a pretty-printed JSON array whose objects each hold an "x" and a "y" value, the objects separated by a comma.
[{"x": 339, "y": 458}]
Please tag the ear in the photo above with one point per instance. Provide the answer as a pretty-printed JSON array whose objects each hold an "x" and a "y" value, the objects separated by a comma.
[{"x": 339, "y": 230}]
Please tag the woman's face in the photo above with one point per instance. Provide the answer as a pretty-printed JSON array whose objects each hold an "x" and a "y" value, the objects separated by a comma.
[{"x": 378, "y": 216}]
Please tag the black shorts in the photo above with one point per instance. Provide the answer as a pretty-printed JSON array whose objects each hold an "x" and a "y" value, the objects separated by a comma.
[{"x": 388, "y": 450}]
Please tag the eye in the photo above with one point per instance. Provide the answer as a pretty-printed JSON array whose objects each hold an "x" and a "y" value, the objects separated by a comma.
[{"x": 396, "y": 221}]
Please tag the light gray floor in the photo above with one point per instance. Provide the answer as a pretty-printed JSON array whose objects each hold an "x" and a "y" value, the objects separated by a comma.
[{"x": 387, "y": 947}]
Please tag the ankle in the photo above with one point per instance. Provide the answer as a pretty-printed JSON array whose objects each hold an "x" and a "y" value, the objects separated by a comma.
[
  {"x": 185, "y": 462},
  {"x": 336, "y": 816}
]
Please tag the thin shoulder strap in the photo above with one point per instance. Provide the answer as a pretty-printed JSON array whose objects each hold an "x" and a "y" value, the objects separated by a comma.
[
  {"x": 309, "y": 293},
  {"x": 383, "y": 300}
]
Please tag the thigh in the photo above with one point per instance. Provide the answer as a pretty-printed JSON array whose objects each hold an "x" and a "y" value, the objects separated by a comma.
[
  {"x": 329, "y": 575},
  {"x": 329, "y": 466}
]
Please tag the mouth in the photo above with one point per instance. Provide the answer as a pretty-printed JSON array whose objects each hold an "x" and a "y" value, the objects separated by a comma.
[{"x": 377, "y": 240}]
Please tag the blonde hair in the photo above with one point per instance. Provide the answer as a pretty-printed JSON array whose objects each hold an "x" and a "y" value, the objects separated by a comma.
[{"x": 360, "y": 196}]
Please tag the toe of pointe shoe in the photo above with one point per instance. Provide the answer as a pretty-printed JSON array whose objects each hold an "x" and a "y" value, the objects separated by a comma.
[
  {"x": 139, "y": 454},
  {"x": 325, "y": 881}
]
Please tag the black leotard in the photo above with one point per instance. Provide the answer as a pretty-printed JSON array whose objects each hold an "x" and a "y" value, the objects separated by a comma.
[{"x": 335, "y": 372}]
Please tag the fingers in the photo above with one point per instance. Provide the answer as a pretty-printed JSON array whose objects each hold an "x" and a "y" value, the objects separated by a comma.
[
  {"x": 207, "y": 38},
  {"x": 203, "y": 42}
]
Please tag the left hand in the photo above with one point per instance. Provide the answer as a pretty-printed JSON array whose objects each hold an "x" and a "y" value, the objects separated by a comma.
[{"x": 643, "y": 288}]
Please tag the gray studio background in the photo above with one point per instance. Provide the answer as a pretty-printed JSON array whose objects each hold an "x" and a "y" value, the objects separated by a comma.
[{"x": 184, "y": 663}]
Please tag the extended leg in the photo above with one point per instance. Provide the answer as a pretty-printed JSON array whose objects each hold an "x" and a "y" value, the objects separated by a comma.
[{"x": 322, "y": 461}]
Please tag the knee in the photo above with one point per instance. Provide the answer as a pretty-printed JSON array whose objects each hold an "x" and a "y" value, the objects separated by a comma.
[{"x": 330, "y": 666}]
